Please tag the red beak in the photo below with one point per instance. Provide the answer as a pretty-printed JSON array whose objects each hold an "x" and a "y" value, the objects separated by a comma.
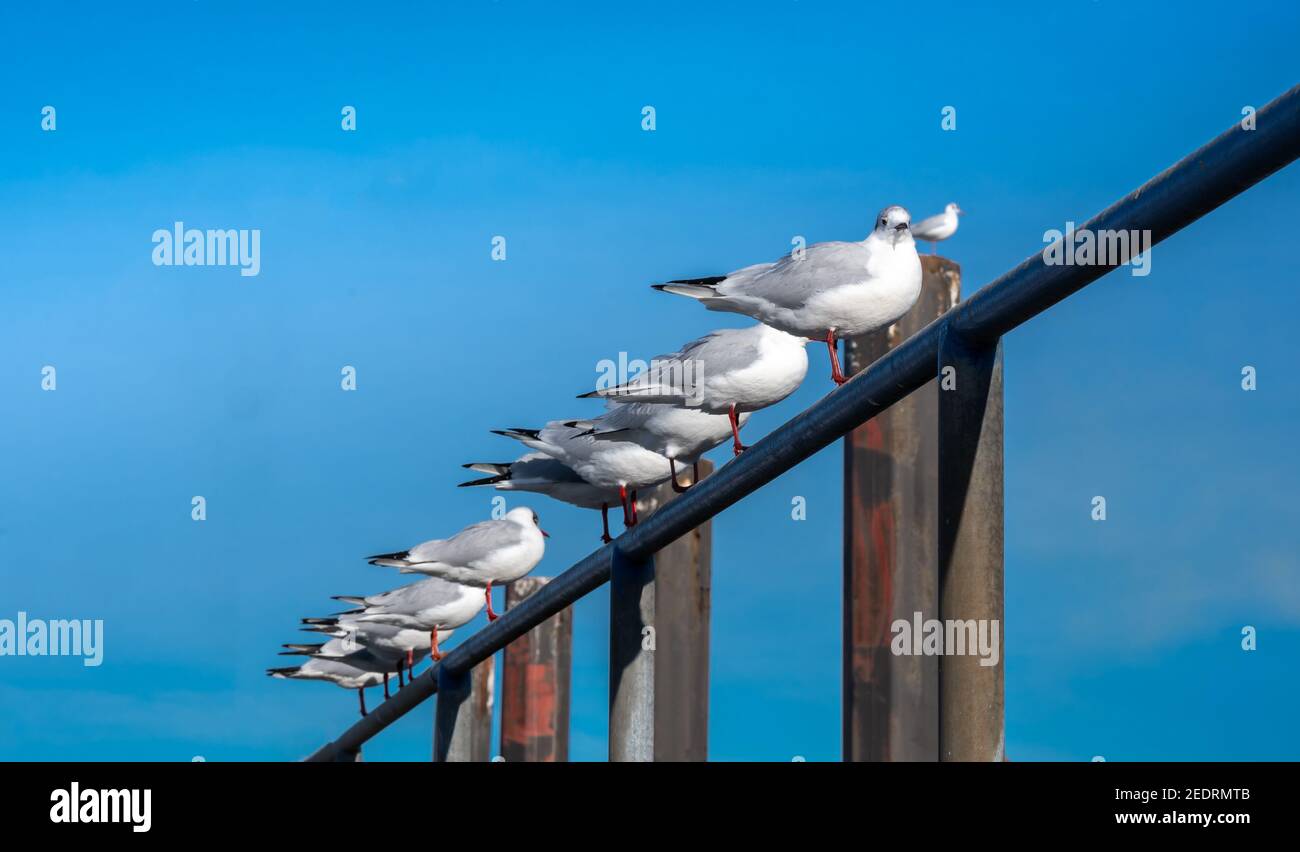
[{"x": 545, "y": 534}]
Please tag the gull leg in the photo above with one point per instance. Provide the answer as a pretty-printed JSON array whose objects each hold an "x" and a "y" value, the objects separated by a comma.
[
  {"x": 492, "y": 616},
  {"x": 622, "y": 497},
  {"x": 401, "y": 675},
  {"x": 410, "y": 666},
  {"x": 736, "y": 447},
  {"x": 433, "y": 644},
  {"x": 672, "y": 469},
  {"x": 361, "y": 696},
  {"x": 386, "y": 695},
  {"x": 836, "y": 375},
  {"x": 695, "y": 473},
  {"x": 632, "y": 502},
  {"x": 604, "y": 523}
]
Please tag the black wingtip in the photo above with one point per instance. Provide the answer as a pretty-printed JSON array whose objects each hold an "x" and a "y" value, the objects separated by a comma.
[
  {"x": 489, "y": 480},
  {"x": 707, "y": 281},
  {"x": 588, "y": 394},
  {"x": 659, "y": 287}
]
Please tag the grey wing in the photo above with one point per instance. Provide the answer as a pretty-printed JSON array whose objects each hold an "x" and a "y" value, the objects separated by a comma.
[
  {"x": 414, "y": 597},
  {"x": 538, "y": 467},
  {"x": 470, "y": 544},
  {"x": 792, "y": 282}
]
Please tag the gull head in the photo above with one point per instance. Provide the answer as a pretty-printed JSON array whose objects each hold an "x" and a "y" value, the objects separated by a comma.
[
  {"x": 893, "y": 225},
  {"x": 953, "y": 208},
  {"x": 526, "y": 517}
]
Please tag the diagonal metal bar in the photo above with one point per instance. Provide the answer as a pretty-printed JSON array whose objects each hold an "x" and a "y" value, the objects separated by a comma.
[{"x": 1205, "y": 179}]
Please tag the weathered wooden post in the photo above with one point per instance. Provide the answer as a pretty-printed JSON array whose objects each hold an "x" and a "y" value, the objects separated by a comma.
[
  {"x": 462, "y": 721},
  {"x": 683, "y": 584},
  {"x": 535, "y": 684},
  {"x": 891, "y": 531},
  {"x": 971, "y": 697}
]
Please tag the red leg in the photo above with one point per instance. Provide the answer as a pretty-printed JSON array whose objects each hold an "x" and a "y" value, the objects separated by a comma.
[
  {"x": 492, "y": 616},
  {"x": 604, "y": 523},
  {"x": 672, "y": 469},
  {"x": 410, "y": 666},
  {"x": 386, "y": 695},
  {"x": 433, "y": 644},
  {"x": 361, "y": 696},
  {"x": 736, "y": 447},
  {"x": 632, "y": 503},
  {"x": 836, "y": 375},
  {"x": 622, "y": 496}
]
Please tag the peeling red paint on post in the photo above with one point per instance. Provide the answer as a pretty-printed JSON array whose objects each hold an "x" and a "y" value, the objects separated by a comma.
[
  {"x": 535, "y": 685},
  {"x": 890, "y": 539}
]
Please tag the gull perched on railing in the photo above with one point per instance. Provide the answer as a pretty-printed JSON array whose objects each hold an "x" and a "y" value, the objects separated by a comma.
[
  {"x": 825, "y": 291},
  {"x": 396, "y": 645},
  {"x": 731, "y": 371},
  {"x": 540, "y": 474},
  {"x": 939, "y": 227},
  {"x": 430, "y": 605},
  {"x": 497, "y": 551},
  {"x": 339, "y": 673}
]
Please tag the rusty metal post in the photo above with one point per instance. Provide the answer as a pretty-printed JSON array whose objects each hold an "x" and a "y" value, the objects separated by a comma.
[
  {"x": 971, "y": 697},
  {"x": 535, "y": 684},
  {"x": 683, "y": 579},
  {"x": 631, "y": 658},
  {"x": 462, "y": 721},
  {"x": 891, "y": 532}
]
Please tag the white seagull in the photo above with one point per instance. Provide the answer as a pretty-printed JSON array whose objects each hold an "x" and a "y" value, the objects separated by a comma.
[
  {"x": 937, "y": 228},
  {"x": 827, "y": 290},
  {"x": 498, "y": 551},
  {"x": 609, "y": 465},
  {"x": 731, "y": 371},
  {"x": 541, "y": 474},
  {"x": 394, "y": 645},
  {"x": 430, "y": 605},
  {"x": 677, "y": 434},
  {"x": 338, "y": 673}
]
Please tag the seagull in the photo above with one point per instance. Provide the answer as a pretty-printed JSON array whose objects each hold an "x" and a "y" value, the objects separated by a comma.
[
  {"x": 937, "y": 228},
  {"x": 497, "y": 551},
  {"x": 393, "y": 645},
  {"x": 730, "y": 371},
  {"x": 541, "y": 474},
  {"x": 677, "y": 434},
  {"x": 827, "y": 290},
  {"x": 338, "y": 673},
  {"x": 620, "y": 466},
  {"x": 429, "y": 605}
]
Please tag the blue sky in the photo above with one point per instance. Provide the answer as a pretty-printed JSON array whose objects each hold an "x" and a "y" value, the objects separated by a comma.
[{"x": 482, "y": 119}]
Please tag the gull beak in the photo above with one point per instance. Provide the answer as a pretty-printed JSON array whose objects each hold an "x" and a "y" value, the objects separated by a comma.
[
  {"x": 544, "y": 533},
  {"x": 901, "y": 226}
]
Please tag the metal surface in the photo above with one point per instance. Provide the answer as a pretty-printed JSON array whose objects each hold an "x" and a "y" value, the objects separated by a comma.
[
  {"x": 683, "y": 577},
  {"x": 891, "y": 531},
  {"x": 970, "y": 552},
  {"x": 1226, "y": 166},
  {"x": 535, "y": 684},
  {"x": 453, "y": 717},
  {"x": 632, "y": 658},
  {"x": 472, "y": 739}
]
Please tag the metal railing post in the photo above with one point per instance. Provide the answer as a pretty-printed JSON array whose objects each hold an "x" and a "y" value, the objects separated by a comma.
[
  {"x": 631, "y": 658},
  {"x": 453, "y": 722},
  {"x": 891, "y": 530},
  {"x": 971, "y": 699}
]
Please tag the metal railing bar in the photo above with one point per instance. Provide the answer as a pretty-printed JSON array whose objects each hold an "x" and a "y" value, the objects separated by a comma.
[{"x": 1221, "y": 169}]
